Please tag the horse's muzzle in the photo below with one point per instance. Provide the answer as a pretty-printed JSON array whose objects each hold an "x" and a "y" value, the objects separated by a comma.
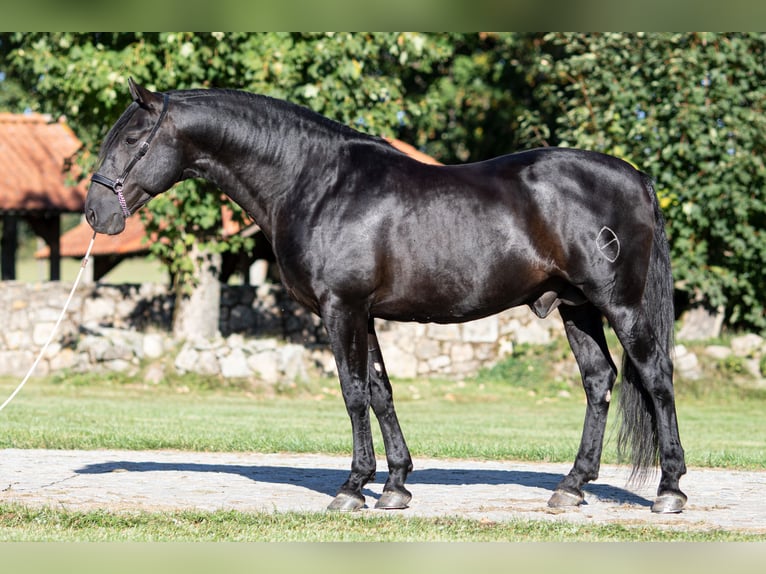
[{"x": 111, "y": 223}]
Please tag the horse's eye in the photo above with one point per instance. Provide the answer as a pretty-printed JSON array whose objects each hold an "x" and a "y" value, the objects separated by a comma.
[{"x": 130, "y": 141}]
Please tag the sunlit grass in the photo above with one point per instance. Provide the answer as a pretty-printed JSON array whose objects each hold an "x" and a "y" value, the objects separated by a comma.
[
  {"x": 537, "y": 418},
  {"x": 19, "y": 523},
  {"x": 517, "y": 410}
]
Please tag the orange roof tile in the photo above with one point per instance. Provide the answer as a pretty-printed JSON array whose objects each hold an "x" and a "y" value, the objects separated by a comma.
[
  {"x": 413, "y": 152},
  {"x": 33, "y": 156},
  {"x": 75, "y": 242}
]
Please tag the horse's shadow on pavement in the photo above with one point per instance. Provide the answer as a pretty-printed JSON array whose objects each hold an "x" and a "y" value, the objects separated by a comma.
[{"x": 326, "y": 481}]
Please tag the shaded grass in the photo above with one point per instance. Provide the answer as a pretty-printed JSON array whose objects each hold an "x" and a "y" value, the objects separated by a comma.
[{"x": 19, "y": 523}]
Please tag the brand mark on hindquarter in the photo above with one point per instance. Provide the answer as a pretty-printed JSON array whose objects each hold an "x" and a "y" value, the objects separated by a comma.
[{"x": 608, "y": 244}]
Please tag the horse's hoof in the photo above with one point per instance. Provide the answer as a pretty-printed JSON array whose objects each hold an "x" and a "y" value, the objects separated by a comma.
[
  {"x": 669, "y": 503},
  {"x": 393, "y": 500},
  {"x": 344, "y": 502},
  {"x": 563, "y": 498}
]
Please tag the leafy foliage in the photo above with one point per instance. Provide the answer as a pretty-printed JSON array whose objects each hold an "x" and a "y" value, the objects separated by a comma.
[{"x": 686, "y": 108}]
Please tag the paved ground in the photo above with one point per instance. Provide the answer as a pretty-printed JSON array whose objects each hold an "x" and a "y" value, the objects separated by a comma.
[{"x": 496, "y": 491}]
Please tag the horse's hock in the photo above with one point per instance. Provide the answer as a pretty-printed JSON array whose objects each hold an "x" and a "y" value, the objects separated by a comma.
[{"x": 264, "y": 334}]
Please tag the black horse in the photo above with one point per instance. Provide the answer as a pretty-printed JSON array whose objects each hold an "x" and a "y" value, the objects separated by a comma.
[{"x": 361, "y": 230}]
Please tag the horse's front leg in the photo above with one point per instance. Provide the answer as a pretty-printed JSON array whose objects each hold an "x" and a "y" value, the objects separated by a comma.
[
  {"x": 397, "y": 454},
  {"x": 347, "y": 329}
]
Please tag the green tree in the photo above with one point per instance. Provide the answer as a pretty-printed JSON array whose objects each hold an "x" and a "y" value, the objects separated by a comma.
[
  {"x": 357, "y": 79},
  {"x": 686, "y": 108},
  {"x": 689, "y": 110}
]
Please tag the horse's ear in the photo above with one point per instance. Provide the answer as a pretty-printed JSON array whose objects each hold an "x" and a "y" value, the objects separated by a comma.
[{"x": 143, "y": 97}]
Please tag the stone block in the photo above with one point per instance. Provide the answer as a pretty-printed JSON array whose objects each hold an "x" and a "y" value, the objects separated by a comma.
[
  {"x": 400, "y": 363},
  {"x": 686, "y": 363},
  {"x": 117, "y": 365},
  {"x": 443, "y": 332},
  {"x": 292, "y": 362},
  {"x": 64, "y": 359},
  {"x": 46, "y": 314},
  {"x": 700, "y": 323},
  {"x": 207, "y": 363},
  {"x": 481, "y": 331},
  {"x": 186, "y": 360},
  {"x": 465, "y": 368},
  {"x": 485, "y": 352},
  {"x": 16, "y": 363},
  {"x": 440, "y": 363},
  {"x": 266, "y": 366},
  {"x": 718, "y": 352},
  {"x": 427, "y": 349},
  {"x": 234, "y": 365},
  {"x": 97, "y": 310},
  {"x": 746, "y": 345},
  {"x": 536, "y": 332},
  {"x": 17, "y": 340},
  {"x": 461, "y": 352},
  {"x": 153, "y": 345},
  {"x": 41, "y": 332}
]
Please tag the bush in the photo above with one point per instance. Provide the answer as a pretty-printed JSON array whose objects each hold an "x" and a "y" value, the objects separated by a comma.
[{"x": 688, "y": 110}]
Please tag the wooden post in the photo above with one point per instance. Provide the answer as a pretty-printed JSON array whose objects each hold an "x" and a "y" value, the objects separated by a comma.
[
  {"x": 49, "y": 228},
  {"x": 8, "y": 245}
]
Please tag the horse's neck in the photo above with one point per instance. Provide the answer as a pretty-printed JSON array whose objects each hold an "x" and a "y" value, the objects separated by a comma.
[{"x": 258, "y": 153}]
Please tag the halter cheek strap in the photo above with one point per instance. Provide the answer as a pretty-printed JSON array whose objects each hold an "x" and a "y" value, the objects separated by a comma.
[{"x": 116, "y": 185}]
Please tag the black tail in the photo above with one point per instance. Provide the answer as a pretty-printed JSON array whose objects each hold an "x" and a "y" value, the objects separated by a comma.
[{"x": 638, "y": 430}]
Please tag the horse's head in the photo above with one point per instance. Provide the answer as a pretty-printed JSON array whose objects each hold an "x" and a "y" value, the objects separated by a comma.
[{"x": 139, "y": 159}]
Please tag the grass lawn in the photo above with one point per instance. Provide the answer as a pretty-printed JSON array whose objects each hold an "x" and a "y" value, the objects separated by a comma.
[
  {"x": 134, "y": 269},
  {"x": 25, "y": 524},
  {"x": 537, "y": 418}
]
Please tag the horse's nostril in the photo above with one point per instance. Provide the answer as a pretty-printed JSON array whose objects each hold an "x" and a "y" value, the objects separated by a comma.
[{"x": 90, "y": 216}]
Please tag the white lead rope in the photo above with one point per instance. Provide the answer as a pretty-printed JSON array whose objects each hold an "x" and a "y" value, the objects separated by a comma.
[{"x": 55, "y": 327}]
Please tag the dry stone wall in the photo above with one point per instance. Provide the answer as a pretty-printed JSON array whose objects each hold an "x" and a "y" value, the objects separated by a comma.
[{"x": 264, "y": 334}]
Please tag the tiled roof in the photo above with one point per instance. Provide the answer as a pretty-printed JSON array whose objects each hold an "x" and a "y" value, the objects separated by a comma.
[
  {"x": 132, "y": 241},
  {"x": 33, "y": 156},
  {"x": 75, "y": 241},
  {"x": 412, "y": 151}
]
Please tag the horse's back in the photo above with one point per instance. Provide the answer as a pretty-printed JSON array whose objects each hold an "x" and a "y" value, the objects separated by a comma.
[
  {"x": 454, "y": 243},
  {"x": 505, "y": 231}
]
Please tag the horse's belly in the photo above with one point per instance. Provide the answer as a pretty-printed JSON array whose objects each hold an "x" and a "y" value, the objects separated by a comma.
[{"x": 430, "y": 300}]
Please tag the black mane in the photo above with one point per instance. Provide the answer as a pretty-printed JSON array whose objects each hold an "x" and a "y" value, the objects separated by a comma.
[{"x": 252, "y": 99}]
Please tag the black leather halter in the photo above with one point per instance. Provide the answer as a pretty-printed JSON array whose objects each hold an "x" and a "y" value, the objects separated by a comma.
[{"x": 116, "y": 184}]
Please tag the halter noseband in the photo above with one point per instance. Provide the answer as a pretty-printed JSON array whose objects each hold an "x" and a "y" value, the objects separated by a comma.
[{"x": 116, "y": 185}]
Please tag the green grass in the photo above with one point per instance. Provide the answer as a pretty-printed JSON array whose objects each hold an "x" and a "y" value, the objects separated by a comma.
[
  {"x": 18, "y": 523},
  {"x": 31, "y": 270},
  {"x": 539, "y": 417}
]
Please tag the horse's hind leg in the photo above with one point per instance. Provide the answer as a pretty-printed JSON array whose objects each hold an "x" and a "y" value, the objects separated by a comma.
[
  {"x": 585, "y": 332},
  {"x": 649, "y": 370},
  {"x": 397, "y": 454}
]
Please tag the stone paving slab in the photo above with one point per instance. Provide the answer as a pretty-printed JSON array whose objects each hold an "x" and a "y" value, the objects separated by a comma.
[{"x": 125, "y": 480}]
